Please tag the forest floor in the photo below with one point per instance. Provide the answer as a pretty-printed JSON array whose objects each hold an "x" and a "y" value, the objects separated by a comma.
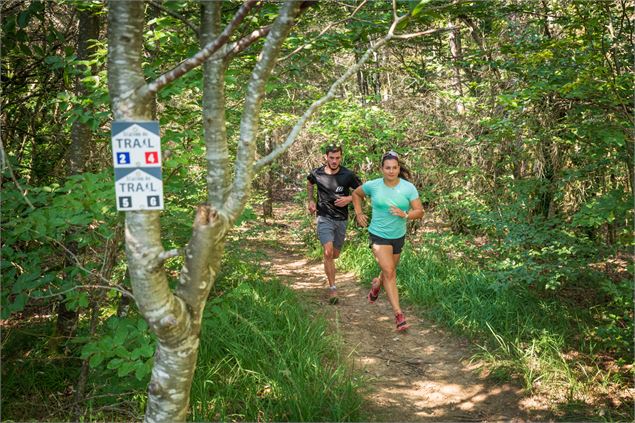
[{"x": 423, "y": 374}]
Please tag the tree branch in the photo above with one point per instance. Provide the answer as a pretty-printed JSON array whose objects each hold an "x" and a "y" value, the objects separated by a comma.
[
  {"x": 198, "y": 59},
  {"x": 246, "y": 41},
  {"x": 174, "y": 15},
  {"x": 4, "y": 163},
  {"x": 81, "y": 267},
  {"x": 255, "y": 92},
  {"x": 171, "y": 253},
  {"x": 108, "y": 287},
  {"x": 302, "y": 47},
  {"x": 419, "y": 34}
]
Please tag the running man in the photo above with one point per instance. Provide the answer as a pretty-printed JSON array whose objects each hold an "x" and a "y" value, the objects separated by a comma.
[{"x": 334, "y": 184}]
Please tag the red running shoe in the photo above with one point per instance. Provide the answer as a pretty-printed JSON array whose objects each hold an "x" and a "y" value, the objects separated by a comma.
[
  {"x": 400, "y": 320},
  {"x": 373, "y": 294}
]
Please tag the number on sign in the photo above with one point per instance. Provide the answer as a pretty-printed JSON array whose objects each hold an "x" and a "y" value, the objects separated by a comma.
[
  {"x": 153, "y": 201},
  {"x": 152, "y": 157},
  {"x": 123, "y": 158},
  {"x": 125, "y": 202}
]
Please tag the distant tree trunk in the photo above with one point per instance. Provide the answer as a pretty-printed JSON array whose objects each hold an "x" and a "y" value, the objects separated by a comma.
[
  {"x": 81, "y": 133},
  {"x": 376, "y": 73},
  {"x": 111, "y": 254},
  {"x": 362, "y": 80},
  {"x": 81, "y": 140},
  {"x": 455, "y": 51},
  {"x": 268, "y": 179},
  {"x": 386, "y": 85}
]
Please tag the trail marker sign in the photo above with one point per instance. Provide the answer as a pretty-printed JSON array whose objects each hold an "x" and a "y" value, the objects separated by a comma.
[{"x": 136, "y": 156}]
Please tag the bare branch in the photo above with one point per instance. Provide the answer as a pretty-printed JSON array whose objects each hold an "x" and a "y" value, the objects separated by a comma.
[
  {"x": 108, "y": 287},
  {"x": 247, "y": 40},
  {"x": 4, "y": 163},
  {"x": 198, "y": 59},
  {"x": 419, "y": 34},
  {"x": 255, "y": 92},
  {"x": 328, "y": 27},
  {"x": 89, "y": 272},
  {"x": 171, "y": 253},
  {"x": 174, "y": 15}
]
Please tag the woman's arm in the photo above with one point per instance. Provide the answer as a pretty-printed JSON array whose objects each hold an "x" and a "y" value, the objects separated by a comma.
[
  {"x": 416, "y": 210},
  {"x": 358, "y": 197}
]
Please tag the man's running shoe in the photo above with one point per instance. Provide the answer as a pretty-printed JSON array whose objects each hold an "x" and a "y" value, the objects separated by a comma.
[
  {"x": 332, "y": 294},
  {"x": 400, "y": 320},
  {"x": 373, "y": 294}
]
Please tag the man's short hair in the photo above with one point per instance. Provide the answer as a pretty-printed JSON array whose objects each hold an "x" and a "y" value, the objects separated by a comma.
[{"x": 332, "y": 148}]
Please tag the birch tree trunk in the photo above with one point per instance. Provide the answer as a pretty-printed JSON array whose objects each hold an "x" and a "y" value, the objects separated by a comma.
[{"x": 175, "y": 317}]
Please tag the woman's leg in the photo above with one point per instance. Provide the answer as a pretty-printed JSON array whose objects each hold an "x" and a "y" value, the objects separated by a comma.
[
  {"x": 379, "y": 280},
  {"x": 388, "y": 276}
]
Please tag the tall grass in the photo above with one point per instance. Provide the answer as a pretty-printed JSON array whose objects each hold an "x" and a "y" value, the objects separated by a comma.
[{"x": 262, "y": 358}]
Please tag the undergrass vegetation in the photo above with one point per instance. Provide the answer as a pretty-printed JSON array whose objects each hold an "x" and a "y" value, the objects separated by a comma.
[
  {"x": 262, "y": 359},
  {"x": 526, "y": 334}
]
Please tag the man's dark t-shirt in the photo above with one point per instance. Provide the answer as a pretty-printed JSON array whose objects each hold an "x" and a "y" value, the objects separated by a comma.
[{"x": 330, "y": 187}]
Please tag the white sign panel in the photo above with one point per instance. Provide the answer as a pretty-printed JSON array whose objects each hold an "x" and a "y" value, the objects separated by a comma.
[{"x": 136, "y": 153}]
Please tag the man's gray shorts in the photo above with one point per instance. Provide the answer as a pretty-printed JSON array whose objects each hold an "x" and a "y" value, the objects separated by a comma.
[{"x": 330, "y": 230}]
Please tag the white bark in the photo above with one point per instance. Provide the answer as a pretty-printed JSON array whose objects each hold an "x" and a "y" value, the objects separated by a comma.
[{"x": 249, "y": 122}]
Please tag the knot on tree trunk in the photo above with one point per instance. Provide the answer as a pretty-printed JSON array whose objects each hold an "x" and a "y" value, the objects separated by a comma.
[
  {"x": 168, "y": 321},
  {"x": 155, "y": 388},
  {"x": 205, "y": 215}
]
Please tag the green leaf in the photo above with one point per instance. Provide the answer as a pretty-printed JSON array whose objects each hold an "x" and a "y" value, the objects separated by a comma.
[
  {"x": 125, "y": 369},
  {"x": 83, "y": 300},
  {"x": 120, "y": 335},
  {"x": 141, "y": 370},
  {"x": 419, "y": 8},
  {"x": 24, "y": 18},
  {"x": 96, "y": 360},
  {"x": 114, "y": 363}
]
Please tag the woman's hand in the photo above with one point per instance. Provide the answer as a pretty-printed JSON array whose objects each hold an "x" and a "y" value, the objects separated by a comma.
[
  {"x": 396, "y": 211},
  {"x": 362, "y": 219}
]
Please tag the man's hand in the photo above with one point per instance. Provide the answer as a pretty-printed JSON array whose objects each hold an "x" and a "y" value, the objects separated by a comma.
[
  {"x": 343, "y": 201},
  {"x": 311, "y": 207}
]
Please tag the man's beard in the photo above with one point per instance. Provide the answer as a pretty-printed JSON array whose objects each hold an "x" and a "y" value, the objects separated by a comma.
[{"x": 333, "y": 168}]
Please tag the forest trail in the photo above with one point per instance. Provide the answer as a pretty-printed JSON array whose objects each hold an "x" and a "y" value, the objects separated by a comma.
[{"x": 423, "y": 374}]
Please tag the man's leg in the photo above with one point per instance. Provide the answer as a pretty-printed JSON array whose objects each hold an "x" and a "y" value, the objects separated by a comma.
[
  {"x": 329, "y": 262},
  {"x": 339, "y": 234}
]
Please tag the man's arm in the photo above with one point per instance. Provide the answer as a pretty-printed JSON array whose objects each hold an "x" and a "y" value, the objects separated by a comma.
[
  {"x": 310, "y": 197},
  {"x": 345, "y": 200}
]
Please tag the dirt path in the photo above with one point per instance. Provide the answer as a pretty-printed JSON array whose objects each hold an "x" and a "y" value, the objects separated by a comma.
[{"x": 421, "y": 375}]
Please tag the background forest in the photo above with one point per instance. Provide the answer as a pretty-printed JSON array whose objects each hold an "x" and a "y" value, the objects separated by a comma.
[{"x": 515, "y": 117}]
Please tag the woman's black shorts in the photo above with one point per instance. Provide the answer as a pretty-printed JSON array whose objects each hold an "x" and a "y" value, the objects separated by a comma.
[{"x": 397, "y": 244}]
